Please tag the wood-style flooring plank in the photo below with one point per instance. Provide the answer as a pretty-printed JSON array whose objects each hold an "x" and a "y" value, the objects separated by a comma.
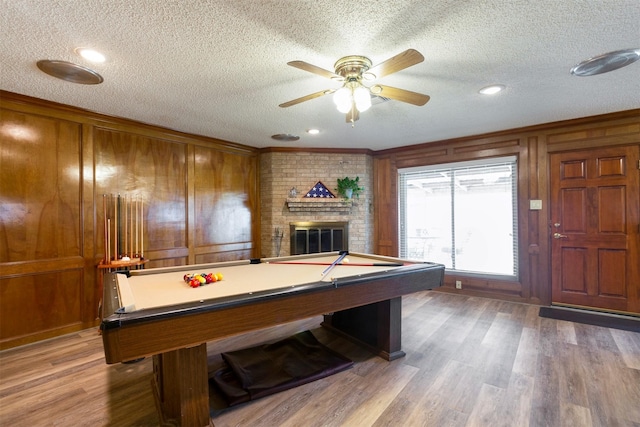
[
  {"x": 573, "y": 376},
  {"x": 515, "y": 409},
  {"x": 380, "y": 392},
  {"x": 574, "y": 415},
  {"x": 470, "y": 362},
  {"x": 486, "y": 408},
  {"x": 527, "y": 355},
  {"x": 566, "y": 332},
  {"x": 545, "y": 402},
  {"x": 629, "y": 345}
]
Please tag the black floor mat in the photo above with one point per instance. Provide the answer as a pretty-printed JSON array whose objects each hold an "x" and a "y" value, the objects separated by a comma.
[
  {"x": 267, "y": 369},
  {"x": 627, "y": 323}
]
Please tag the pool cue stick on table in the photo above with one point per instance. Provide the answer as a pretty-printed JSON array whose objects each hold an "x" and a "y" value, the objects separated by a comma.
[
  {"x": 350, "y": 264},
  {"x": 334, "y": 263}
]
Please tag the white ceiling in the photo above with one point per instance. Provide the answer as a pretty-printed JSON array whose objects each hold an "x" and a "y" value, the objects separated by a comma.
[{"x": 219, "y": 67}]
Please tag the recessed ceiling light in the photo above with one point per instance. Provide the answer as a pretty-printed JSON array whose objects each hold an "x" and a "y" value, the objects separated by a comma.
[
  {"x": 492, "y": 90},
  {"x": 606, "y": 62},
  {"x": 90, "y": 54},
  {"x": 313, "y": 131}
]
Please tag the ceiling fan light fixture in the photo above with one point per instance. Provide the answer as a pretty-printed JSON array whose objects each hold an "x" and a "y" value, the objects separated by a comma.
[
  {"x": 354, "y": 97},
  {"x": 345, "y": 108},
  {"x": 362, "y": 98},
  {"x": 368, "y": 76},
  {"x": 347, "y": 96},
  {"x": 343, "y": 99}
]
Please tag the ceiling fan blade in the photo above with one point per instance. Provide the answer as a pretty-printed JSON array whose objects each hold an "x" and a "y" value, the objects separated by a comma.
[
  {"x": 414, "y": 98},
  {"x": 353, "y": 115},
  {"x": 306, "y": 98},
  {"x": 399, "y": 62},
  {"x": 314, "y": 69}
]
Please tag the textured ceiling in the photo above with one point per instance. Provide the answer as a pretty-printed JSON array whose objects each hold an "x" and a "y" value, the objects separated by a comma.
[{"x": 219, "y": 67}]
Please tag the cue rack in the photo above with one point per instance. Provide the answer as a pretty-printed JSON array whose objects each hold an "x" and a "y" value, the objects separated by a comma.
[
  {"x": 123, "y": 237},
  {"x": 123, "y": 231}
]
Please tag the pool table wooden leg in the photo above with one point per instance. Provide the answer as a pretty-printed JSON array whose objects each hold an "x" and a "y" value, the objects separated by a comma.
[
  {"x": 376, "y": 326},
  {"x": 181, "y": 388}
]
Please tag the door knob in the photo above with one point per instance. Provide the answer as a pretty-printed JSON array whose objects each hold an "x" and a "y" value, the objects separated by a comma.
[{"x": 559, "y": 236}]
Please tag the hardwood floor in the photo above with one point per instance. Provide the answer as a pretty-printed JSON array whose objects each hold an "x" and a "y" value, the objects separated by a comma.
[{"x": 470, "y": 362}]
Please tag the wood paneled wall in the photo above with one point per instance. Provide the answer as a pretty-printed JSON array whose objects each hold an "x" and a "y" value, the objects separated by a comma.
[
  {"x": 57, "y": 162},
  {"x": 202, "y": 202},
  {"x": 531, "y": 146}
]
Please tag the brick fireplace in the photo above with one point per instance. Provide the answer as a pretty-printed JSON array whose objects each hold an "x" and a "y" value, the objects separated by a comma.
[{"x": 280, "y": 171}]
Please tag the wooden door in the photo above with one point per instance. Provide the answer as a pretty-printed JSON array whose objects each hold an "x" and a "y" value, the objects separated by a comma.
[{"x": 595, "y": 217}]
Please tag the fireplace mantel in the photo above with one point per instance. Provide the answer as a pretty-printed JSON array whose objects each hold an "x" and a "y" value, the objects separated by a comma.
[{"x": 320, "y": 205}]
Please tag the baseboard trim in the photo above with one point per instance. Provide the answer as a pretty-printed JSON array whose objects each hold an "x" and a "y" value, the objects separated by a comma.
[{"x": 607, "y": 320}]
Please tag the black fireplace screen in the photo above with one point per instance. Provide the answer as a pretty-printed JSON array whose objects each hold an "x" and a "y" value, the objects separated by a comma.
[{"x": 314, "y": 237}]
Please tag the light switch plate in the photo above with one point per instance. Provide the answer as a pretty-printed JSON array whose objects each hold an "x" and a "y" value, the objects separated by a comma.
[{"x": 535, "y": 205}]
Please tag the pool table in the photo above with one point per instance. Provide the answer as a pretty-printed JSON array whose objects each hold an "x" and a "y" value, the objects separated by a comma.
[{"x": 154, "y": 312}]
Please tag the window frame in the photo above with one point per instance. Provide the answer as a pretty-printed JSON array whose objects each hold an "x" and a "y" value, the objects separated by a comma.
[{"x": 489, "y": 161}]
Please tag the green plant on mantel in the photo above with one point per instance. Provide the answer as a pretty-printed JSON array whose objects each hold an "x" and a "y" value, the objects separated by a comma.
[{"x": 349, "y": 188}]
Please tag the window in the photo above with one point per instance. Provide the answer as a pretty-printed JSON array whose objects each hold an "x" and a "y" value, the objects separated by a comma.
[{"x": 462, "y": 215}]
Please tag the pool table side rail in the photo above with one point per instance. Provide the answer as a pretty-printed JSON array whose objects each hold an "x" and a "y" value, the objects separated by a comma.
[
  {"x": 214, "y": 265},
  {"x": 153, "y": 331},
  {"x": 119, "y": 319}
]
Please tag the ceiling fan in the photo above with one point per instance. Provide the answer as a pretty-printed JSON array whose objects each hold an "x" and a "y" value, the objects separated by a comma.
[{"x": 354, "y": 96}]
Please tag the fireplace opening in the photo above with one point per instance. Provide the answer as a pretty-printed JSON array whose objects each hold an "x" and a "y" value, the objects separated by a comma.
[{"x": 313, "y": 237}]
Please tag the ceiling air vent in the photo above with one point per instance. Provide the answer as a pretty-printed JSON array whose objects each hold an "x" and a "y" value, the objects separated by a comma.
[
  {"x": 375, "y": 99},
  {"x": 285, "y": 137}
]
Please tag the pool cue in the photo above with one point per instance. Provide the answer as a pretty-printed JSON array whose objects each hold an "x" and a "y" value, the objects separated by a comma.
[
  {"x": 108, "y": 244},
  {"x": 131, "y": 254},
  {"x": 120, "y": 227},
  {"x": 137, "y": 218},
  {"x": 126, "y": 211},
  {"x": 115, "y": 228},
  {"x": 354, "y": 264},
  {"x": 141, "y": 229},
  {"x": 334, "y": 263},
  {"x": 104, "y": 214}
]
